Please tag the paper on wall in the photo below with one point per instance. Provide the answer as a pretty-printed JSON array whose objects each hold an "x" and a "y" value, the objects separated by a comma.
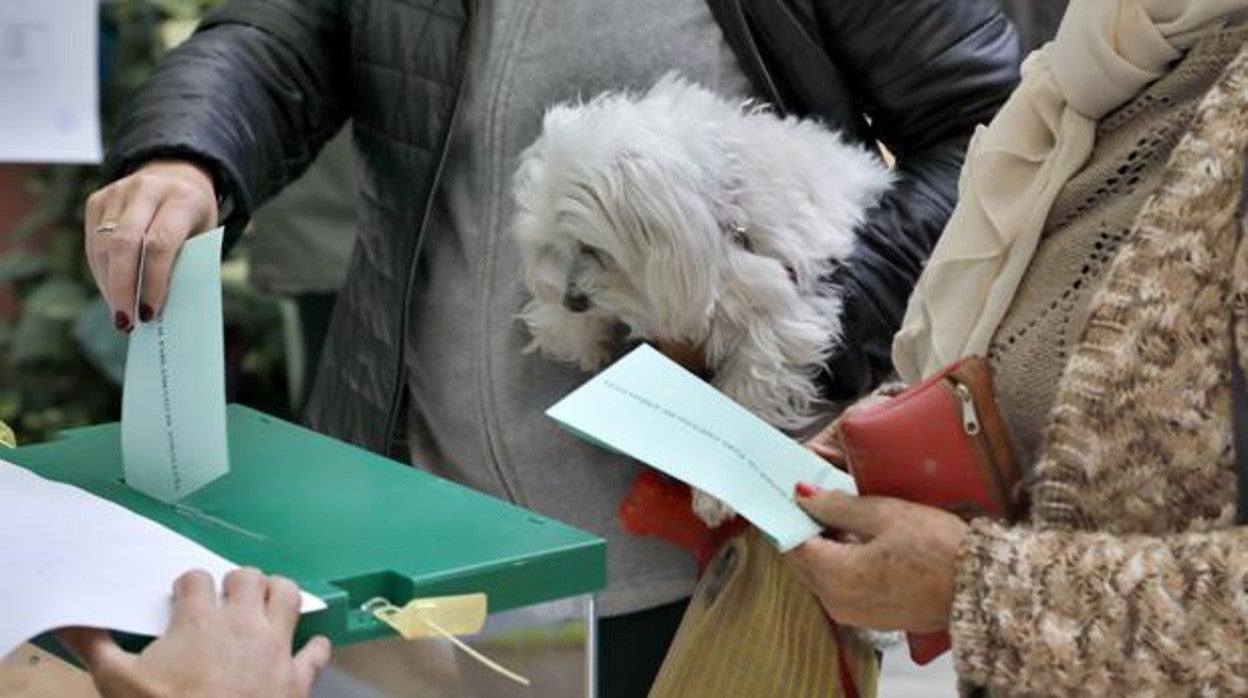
[
  {"x": 648, "y": 407},
  {"x": 173, "y": 433},
  {"x": 50, "y": 81},
  {"x": 74, "y": 559}
]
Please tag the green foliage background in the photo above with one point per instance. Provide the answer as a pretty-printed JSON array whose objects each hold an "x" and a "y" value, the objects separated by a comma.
[{"x": 61, "y": 361}]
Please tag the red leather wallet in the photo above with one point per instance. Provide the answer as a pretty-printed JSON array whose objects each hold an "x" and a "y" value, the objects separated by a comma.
[{"x": 941, "y": 443}]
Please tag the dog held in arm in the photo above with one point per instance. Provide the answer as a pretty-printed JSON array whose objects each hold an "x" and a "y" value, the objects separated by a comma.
[{"x": 679, "y": 216}]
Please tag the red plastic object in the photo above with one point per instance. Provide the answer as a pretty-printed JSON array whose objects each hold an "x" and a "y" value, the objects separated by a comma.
[{"x": 662, "y": 507}]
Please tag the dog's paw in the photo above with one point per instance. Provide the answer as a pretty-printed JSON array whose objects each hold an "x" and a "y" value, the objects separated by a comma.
[
  {"x": 882, "y": 640},
  {"x": 712, "y": 511}
]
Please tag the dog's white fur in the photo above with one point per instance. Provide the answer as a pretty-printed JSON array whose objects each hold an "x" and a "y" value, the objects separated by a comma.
[{"x": 681, "y": 216}]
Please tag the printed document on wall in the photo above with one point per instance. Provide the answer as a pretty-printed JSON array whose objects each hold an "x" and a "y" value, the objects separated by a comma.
[{"x": 50, "y": 81}]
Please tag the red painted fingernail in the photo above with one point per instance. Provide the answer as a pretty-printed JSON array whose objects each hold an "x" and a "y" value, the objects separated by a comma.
[
  {"x": 804, "y": 490},
  {"x": 121, "y": 321},
  {"x": 145, "y": 312}
]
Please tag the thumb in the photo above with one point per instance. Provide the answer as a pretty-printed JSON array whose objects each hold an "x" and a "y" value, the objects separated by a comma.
[
  {"x": 310, "y": 662},
  {"x": 830, "y": 453},
  {"x": 827, "y": 445},
  {"x": 94, "y": 648},
  {"x": 866, "y": 516}
]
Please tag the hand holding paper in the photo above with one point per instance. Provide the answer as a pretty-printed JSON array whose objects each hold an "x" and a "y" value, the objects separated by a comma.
[
  {"x": 648, "y": 407},
  {"x": 237, "y": 644},
  {"x": 99, "y": 566}
]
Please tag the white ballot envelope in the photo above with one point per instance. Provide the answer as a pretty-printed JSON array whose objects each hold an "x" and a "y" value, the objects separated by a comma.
[
  {"x": 74, "y": 559},
  {"x": 173, "y": 434}
]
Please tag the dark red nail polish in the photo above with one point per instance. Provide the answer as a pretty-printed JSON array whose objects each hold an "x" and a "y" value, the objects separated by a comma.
[
  {"x": 145, "y": 312},
  {"x": 804, "y": 490},
  {"x": 121, "y": 321}
]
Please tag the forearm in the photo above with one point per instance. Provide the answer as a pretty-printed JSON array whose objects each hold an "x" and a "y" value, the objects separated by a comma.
[
  {"x": 251, "y": 96},
  {"x": 1072, "y": 613}
]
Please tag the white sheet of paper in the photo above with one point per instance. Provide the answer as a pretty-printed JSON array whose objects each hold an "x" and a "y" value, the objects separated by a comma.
[
  {"x": 71, "y": 558},
  {"x": 50, "y": 81}
]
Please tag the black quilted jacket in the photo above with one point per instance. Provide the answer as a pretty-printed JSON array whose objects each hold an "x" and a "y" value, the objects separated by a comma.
[{"x": 264, "y": 83}]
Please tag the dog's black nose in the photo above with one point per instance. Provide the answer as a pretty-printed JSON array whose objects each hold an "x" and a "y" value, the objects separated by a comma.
[{"x": 576, "y": 302}]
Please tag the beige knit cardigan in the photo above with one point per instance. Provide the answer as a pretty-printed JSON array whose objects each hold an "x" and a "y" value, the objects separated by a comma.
[{"x": 1130, "y": 577}]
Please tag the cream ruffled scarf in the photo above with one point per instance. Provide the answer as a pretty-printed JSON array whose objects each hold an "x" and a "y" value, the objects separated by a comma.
[{"x": 1105, "y": 52}]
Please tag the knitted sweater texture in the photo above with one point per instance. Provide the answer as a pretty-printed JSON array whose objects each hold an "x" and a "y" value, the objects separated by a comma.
[
  {"x": 1091, "y": 219},
  {"x": 1130, "y": 576}
]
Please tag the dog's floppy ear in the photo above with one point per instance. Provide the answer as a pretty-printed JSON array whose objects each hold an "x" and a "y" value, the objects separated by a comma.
[{"x": 674, "y": 236}]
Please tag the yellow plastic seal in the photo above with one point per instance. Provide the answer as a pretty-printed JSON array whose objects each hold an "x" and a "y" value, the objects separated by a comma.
[
  {"x": 441, "y": 616},
  {"x": 7, "y": 438}
]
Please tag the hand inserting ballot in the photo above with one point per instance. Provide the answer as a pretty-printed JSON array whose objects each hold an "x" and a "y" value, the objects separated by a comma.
[{"x": 150, "y": 213}]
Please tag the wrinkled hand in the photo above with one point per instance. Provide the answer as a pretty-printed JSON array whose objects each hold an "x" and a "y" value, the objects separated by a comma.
[
  {"x": 899, "y": 575},
  {"x": 164, "y": 201},
  {"x": 238, "y": 647}
]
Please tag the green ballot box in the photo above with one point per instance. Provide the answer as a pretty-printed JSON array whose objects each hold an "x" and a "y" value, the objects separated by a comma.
[{"x": 350, "y": 526}]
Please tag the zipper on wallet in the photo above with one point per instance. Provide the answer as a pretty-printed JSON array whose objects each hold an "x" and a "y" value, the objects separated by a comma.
[
  {"x": 970, "y": 418},
  {"x": 990, "y": 469}
]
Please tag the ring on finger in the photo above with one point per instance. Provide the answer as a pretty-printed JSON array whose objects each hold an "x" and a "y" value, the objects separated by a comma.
[{"x": 105, "y": 228}]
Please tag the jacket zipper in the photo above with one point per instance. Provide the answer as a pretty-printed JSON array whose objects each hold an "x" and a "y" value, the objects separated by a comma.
[
  {"x": 769, "y": 83},
  {"x": 409, "y": 284},
  {"x": 521, "y": 28}
]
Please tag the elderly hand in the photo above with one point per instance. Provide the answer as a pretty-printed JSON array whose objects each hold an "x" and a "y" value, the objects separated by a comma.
[
  {"x": 901, "y": 574},
  {"x": 162, "y": 202},
  {"x": 238, "y": 647}
]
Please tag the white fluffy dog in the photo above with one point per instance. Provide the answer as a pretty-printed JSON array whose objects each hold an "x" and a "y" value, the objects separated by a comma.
[{"x": 677, "y": 215}]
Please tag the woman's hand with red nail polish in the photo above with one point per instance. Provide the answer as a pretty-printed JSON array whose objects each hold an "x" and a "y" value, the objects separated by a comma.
[
  {"x": 804, "y": 490},
  {"x": 154, "y": 209}
]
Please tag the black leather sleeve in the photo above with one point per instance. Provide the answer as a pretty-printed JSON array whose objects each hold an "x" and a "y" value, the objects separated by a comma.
[
  {"x": 925, "y": 72},
  {"x": 253, "y": 95}
]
